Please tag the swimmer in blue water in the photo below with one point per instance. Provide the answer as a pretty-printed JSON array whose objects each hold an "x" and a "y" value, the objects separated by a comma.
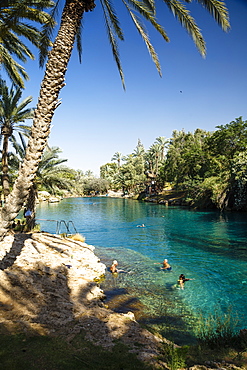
[
  {"x": 166, "y": 266},
  {"x": 113, "y": 267},
  {"x": 182, "y": 280},
  {"x": 114, "y": 270}
]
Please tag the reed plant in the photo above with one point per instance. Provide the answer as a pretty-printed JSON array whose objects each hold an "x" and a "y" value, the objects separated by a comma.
[
  {"x": 175, "y": 356},
  {"x": 217, "y": 330}
]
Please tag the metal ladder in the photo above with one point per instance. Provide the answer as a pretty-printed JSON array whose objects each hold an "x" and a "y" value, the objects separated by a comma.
[{"x": 68, "y": 225}]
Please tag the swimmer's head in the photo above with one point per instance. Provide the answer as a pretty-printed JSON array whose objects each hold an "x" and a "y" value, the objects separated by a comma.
[
  {"x": 166, "y": 260},
  {"x": 115, "y": 262}
]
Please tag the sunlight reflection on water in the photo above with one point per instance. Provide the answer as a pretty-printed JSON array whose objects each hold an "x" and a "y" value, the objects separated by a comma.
[{"x": 206, "y": 246}]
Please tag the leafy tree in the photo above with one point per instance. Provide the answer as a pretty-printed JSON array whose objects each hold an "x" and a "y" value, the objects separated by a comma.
[
  {"x": 15, "y": 27},
  {"x": 139, "y": 158},
  {"x": 155, "y": 155},
  {"x": 229, "y": 139},
  {"x": 12, "y": 114},
  {"x": 94, "y": 185},
  {"x": 57, "y": 64},
  {"x": 239, "y": 174},
  {"x": 211, "y": 166},
  {"x": 187, "y": 157},
  {"x": 108, "y": 172},
  {"x": 131, "y": 175}
]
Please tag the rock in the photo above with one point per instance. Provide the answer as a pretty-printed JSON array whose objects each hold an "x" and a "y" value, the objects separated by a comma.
[
  {"x": 54, "y": 199},
  {"x": 49, "y": 287},
  {"x": 115, "y": 194},
  {"x": 44, "y": 196}
]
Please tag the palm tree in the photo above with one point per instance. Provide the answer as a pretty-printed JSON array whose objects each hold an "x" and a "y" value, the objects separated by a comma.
[
  {"x": 12, "y": 114},
  {"x": 57, "y": 64},
  {"x": 139, "y": 150},
  {"x": 14, "y": 26},
  {"x": 162, "y": 142},
  {"x": 117, "y": 157},
  {"x": 51, "y": 176}
]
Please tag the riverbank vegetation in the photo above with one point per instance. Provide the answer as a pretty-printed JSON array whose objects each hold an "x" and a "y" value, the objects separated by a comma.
[
  {"x": 22, "y": 351},
  {"x": 209, "y": 168},
  {"x": 199, "y": 169}
]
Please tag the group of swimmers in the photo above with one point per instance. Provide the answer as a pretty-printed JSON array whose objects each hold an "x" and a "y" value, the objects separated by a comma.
[{"x": 166, "y": 266}]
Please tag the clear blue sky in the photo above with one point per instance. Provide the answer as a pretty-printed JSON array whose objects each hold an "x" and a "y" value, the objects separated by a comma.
[{"x": 98, "y": 118}]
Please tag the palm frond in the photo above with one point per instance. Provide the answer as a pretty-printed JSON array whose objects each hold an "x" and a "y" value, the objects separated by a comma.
[
  {"x": 19, "y": 148},
  {"x": 112, "y": 15},
  {"x": 23, "y": 104},
  {"x": 24, "y": 145},
  {"x": 16, "y": 47},
  {"x": 47, "y": 33},
  {"x": 111, "y": 31},
  {"x": 79, "y": 40},
  {"x": 149, "y": 15},
  {"x": 145, "y": 37},
  {"x": 188, "y": 22},
  {"x": 13, "y": 69},
  {"x": 150, "y": 4},
  {"x": 219, "y": 11}
]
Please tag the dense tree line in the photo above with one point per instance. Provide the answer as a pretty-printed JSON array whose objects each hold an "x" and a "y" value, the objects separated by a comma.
[{"x": 211, "y": 167}]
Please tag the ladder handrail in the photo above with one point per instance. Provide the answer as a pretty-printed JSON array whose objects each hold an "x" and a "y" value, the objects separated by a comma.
[
  {"x": 59, "y": 223},
  {"x": 72, "y": 225}
]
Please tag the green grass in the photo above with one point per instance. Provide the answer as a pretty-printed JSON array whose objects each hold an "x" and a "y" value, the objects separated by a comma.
[{"x": 21, "y": 352}]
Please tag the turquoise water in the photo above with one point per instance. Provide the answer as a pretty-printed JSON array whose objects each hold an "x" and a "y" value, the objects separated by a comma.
[{"x": 206, "y": 246}]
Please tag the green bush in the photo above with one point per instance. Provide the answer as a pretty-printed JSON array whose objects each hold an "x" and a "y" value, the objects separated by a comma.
[
  {"x": 175, "y": 357},
  {"x": 217, "y": 330}
]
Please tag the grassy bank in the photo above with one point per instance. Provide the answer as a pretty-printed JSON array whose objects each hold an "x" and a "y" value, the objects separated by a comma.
[
  {"x": 28, "y": 352},
  {"x": 22, "y": 352}
]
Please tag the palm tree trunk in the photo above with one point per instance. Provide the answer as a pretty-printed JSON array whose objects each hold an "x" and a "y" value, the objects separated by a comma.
[
  {"x": 5, "y": 169},
  {"x": 52, "y": 83},
  {"x": 31, "y": 205}
]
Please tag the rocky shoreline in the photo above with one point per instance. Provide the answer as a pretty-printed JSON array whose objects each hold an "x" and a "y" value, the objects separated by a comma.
[{"x": 50, "y": 286}]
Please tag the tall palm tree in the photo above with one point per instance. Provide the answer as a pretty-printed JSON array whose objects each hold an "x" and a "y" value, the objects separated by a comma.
[
  {"x": 139, "y": 150},
  {"x": 162, "y": 142},
  {"x": 117, "y": 157},
  {"x": 57, "y": 64},
  {"x": 15, "y": 27},
  {"x": 12, "y": 114},
  {"x": 51, "y": 176}
]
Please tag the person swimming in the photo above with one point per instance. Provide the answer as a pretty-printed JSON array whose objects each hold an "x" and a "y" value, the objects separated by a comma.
[
  {"x": 113, "y": 267},
  {"x": 166, "y": 265},
  {"x": 181, "y": 281},
  {"x": 114, "y": 270}
]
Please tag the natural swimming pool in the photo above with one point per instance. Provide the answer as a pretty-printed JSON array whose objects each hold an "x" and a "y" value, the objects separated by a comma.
[{"x": 209, "y": 247}]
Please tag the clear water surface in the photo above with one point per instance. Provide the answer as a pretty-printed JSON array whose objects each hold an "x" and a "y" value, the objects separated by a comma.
[{"x": 209, "y": 247}]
